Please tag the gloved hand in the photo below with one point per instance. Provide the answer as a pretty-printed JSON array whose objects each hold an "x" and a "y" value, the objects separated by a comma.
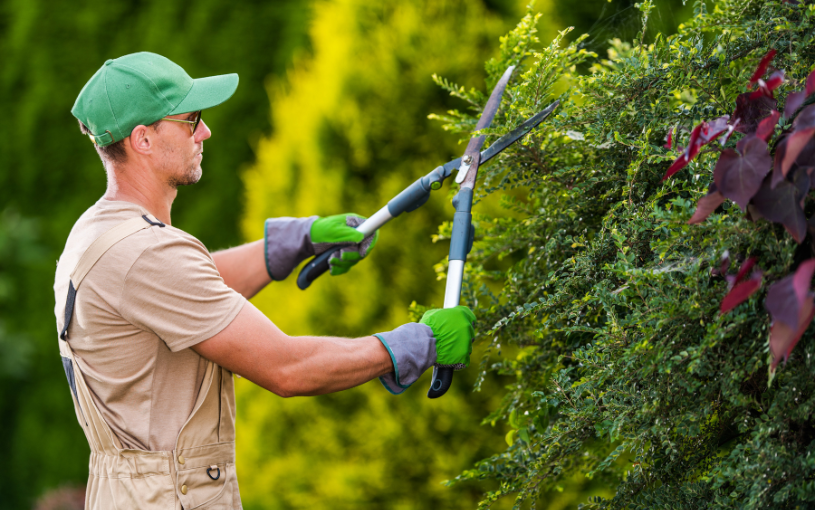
[
  {"x": 290, "y": 241},
  {"x": 443, "y": 337},
  {"x": 338, "y": 231}
]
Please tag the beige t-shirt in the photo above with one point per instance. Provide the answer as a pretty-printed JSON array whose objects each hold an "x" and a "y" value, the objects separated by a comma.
[{"x": 138, "y": 311}]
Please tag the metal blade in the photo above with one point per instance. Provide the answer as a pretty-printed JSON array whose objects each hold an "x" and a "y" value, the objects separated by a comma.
[
  {"x": 505, "y": 141},
  {"x": 494, "y": 101},
  {"x": 517, "y": 133},
  {"x": 490, "y": 109}
]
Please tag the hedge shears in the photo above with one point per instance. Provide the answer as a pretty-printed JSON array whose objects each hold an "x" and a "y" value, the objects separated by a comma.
[{"x": 415, "y": 195}]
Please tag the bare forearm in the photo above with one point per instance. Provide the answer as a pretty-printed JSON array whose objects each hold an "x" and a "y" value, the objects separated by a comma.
[
  {"x": 320, "y": 365},
  {"x": 294, "y": 366},
  {"x": 243, "y": 268}
]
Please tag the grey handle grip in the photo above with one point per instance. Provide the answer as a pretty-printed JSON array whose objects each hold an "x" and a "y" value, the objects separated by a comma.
[
  {"x": 442, "y": 379},
  {"x": 314, "y": 268}
]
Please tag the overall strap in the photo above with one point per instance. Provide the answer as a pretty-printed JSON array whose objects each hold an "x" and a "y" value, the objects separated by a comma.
[
  {"x": 86, "y": 262},
  {"x": 94, "y": 252}
]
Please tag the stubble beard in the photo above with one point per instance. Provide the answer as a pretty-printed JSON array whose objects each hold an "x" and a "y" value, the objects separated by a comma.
[{"x": 191, "y": 176}]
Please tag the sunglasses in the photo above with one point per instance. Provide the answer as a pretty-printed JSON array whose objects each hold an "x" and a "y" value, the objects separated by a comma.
[{"x": 196, "y": 120}]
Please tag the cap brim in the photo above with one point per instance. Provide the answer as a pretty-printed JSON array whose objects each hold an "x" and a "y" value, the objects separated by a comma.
[{"x": 207, "y": 92}]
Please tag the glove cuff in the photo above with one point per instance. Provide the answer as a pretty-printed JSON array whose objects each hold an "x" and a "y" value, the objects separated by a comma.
[
  {"x": 287, "y": 243},
  {"x": 412, "y": 347}
]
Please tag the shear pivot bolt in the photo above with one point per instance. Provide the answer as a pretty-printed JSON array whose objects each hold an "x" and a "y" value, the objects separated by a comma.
[{"x": 467, "y": 159}]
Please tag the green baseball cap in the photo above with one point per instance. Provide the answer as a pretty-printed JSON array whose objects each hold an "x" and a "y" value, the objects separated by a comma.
[{"x": 141, "y": 88}]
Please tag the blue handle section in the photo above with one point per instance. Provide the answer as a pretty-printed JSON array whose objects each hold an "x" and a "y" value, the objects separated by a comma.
[
  {"x": 442, "y": 379},
  {"x": 415, "y": 195},
  {"x": 461, "y": 238},
  {"x": 315, "y": 267}
]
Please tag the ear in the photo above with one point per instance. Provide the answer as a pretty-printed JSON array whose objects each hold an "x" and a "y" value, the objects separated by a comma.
[{"x": 141, "y": 140}]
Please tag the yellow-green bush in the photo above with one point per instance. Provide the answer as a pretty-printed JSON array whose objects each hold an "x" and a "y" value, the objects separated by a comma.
[{"x": 350, "y": 131}]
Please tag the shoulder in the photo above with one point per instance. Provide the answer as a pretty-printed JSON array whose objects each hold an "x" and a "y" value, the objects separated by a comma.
[{"x": 169, "y": 247}]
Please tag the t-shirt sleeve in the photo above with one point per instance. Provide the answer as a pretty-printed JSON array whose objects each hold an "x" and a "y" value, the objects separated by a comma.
[{"x": 175, "y": 291}]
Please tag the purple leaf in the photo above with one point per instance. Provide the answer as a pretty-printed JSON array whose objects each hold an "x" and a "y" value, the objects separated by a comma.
[
  {"x": 745, "y": 268},
  {"x": 794, "y": 101},
  {"x": 789, "y": 302},
  {"x": 750, "y": 110},
  {"x": 773, "y": 82},
  {"x": 782, "y": 302},
  {"x": 741, "y": 292},
  {"x": 712, "y": 130},
  {"x": 690, "y": 152},
  {"x": 678, "y": 164},
  {"x": 795, "y": 143},
  {"x": 802, "y": 279},
  {"x": 762, "y": 66},
  {"x": 806, "y": 158},
  {"x": 810, "y": 86},
  {"x": 766, "y": 127},
  {"x": 738, "y": 175},
  {"x": 701, "y": 135},
  {"x": 669, "y": 143},
  {"x": 706, "y": 205},
  {"x": 724, "y": 262},
  {"x": 733, "y": 279},
  {"x": 782, "y": 204},
  {"x": 793, "y": 146},
  {"x": 783, "y": 338}
]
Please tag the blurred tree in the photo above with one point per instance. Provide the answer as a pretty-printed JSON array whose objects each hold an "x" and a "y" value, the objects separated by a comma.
[{"x": 350, "y": 131}]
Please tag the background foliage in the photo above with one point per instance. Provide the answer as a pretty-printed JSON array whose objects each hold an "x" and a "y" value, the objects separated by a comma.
[{"x": 626, "y": 371}]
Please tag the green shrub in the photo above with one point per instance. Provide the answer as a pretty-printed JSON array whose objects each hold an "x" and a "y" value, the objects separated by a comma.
[{"x": 604, "y": 302}]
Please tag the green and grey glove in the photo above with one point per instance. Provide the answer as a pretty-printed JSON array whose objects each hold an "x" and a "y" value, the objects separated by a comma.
[
  {"x": 339, "y": 232},
  {"x": 290, "y": 241},
  {"x": 443, "y": 337}
]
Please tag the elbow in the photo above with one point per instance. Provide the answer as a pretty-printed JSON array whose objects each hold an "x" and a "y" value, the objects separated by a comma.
[
  {"x": 286, "y": 385},
  {"x": 284, "y": 392}
]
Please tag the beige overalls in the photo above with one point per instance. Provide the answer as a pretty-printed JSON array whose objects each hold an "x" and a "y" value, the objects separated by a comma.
[{"x": 198, "y": 473}]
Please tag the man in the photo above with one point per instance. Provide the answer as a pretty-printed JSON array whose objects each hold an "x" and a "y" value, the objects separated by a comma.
[{"x": 152, "y": 326}]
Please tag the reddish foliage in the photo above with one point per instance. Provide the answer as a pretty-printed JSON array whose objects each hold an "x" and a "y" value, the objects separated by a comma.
[
  {"x": 669, "y": 143},
  {"x": 741, "y": 289},
  {"x": 739, "y": 173},
  {"x": 63, "y": 498},
  {"x": 701, "y": 135},
  {"x": 762, "y": 66},
  {"x": 794, "y": 144},
  {"x": 741, "y": 292},
  {"x": 766, "y": 127},
  {"x": 706, "y": 205},
  {"x": 750, "y": 109},
  {"x": 794, "y": 101},
  {"x": 789, "y": 302},
  {"x": 744, "y": 269},
  {"x": 766, "y": 88},
  {"x": 783, "y": 203},
  {"x": 805, "y": 158}
]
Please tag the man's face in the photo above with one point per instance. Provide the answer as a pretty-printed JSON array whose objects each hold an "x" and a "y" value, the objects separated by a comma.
[{"x": 180, "y": 151}]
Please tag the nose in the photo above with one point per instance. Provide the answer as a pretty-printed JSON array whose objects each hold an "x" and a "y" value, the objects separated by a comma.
[{"x": 202, "y": 132}]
